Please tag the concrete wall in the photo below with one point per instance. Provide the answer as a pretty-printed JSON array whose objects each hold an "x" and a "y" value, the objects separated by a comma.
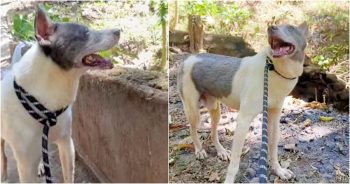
[{"x": 121, "y": 129}]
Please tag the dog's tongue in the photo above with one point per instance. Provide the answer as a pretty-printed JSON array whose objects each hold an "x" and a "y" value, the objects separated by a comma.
[
  {"x": 95, "y": 60},
  {"x": 280, "y": 51}
]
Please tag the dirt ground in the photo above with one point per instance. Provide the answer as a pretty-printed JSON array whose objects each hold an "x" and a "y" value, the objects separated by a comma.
[{"x": 316, "y": 151}]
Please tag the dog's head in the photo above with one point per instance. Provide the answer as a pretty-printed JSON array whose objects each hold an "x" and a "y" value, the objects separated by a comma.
[
  {"x": 288, "y": 42},
  {"x": 72, "y": 45}
]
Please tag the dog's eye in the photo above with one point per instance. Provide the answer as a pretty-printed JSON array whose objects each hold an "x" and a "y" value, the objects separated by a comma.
[{"x": 290, "y": 28}]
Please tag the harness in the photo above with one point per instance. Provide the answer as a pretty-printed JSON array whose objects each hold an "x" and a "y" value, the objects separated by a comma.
[
  {"x": 43, "y": 116},
  {"x": 264, "y": 141}
]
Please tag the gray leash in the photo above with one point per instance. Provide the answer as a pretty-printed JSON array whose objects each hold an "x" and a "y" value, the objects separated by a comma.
[{"x": 264, "y": 141}]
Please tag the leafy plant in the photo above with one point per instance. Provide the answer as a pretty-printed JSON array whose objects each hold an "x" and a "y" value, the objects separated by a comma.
[
  {"x": 23, "y": 27},
  {"x": 219, "y": 17}
]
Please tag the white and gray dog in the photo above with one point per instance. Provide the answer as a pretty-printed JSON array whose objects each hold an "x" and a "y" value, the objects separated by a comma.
[
  {"x": 238, "y": 83},
  {"x": 50, "y": 72}
]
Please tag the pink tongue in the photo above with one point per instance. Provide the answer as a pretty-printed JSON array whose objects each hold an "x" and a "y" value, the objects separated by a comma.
[{"x": 280, "y": 51}]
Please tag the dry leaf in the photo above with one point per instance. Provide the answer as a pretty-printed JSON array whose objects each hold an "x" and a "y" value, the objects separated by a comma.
[
  {"x": 316, "y": 105},
  {"x": 214, "y": 176},
  {"x": 176, "y": 127},
  {"x": 306, "y": 123},
  {"x": 286, "y": 163},
  {"x": 245, "y": 151},
  {"x": 338, "y": 172},
  {"x": 184, "y": 146}
]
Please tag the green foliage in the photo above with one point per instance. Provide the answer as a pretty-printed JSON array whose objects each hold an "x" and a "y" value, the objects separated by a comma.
[
  {"x": 219, "y": 17},
  {"x": 331, "y": 21},
  {"x": 330, "y": 55},
  {"x": 23, "y": 27},
  {"x": 163, "y": 11}
]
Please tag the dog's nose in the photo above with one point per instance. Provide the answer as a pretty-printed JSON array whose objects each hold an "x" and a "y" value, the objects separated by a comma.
[{"x": 116, "y": 32}]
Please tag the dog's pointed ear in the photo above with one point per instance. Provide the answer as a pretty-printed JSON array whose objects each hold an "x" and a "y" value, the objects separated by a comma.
[
  {"x": 304, "y": 29},
  {"x": 44, "y": 28}
]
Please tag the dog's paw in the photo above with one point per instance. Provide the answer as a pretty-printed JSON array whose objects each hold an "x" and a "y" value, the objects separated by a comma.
[
  {"x": 224, "y": 154},
  {"x": 4, "y": 178},
  {"x": 201, "y": 154},
  {"x": 284, "y": 173},
  {"x": 41, "y": 170}
]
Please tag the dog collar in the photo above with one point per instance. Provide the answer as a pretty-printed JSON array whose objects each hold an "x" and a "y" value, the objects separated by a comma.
[
  {"x": 271, "y": 67},
  {"x": 44, "y": 116}
]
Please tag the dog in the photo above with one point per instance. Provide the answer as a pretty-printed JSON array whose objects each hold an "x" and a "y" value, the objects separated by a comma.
[
  {"x": 238, "y": 83},
  {"x": 49, "y": 71}
]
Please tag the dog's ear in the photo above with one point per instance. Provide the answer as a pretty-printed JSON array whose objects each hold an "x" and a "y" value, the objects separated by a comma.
[
  {"x": 44, "y": 28},
  {"x": 304, "y": 29}
]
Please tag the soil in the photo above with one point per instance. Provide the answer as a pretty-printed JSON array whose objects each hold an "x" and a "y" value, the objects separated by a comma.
[{"x": 315, "y": 150}]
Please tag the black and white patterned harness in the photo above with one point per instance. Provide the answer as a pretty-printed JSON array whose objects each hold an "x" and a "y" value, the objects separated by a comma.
[
  {"x": 264, "y": 141},
  {"x": 42, "y": 115}
]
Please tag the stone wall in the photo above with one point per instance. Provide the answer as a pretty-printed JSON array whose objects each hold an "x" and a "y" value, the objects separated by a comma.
[{"x": 120, "y": 129}]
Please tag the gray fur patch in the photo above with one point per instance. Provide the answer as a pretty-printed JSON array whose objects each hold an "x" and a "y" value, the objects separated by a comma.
[
  {"x": 71, "y": 41},
  {"x": 213, "y": 74}
]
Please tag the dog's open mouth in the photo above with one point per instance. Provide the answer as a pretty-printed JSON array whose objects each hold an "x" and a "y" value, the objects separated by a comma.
[
  {"x": 95, "y": 60},
  {"x": 279, "y": 47}
]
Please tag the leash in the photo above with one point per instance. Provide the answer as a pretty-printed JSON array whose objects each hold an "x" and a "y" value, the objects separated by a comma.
[
  {"x": 264, "y": 140},
  {"x": 44, "y": 116}
]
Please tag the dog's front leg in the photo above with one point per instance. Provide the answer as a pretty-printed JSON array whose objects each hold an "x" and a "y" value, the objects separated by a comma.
[
  {"x": 67, "y": 157},
  {"x": 274, "y": 135},
  {"x": 3, "y": 161},
  {"x": 244, "y": 118}
]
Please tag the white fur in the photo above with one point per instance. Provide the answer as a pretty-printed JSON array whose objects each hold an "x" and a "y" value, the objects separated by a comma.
[
  {"x": 55, "y": 89},
  {"x": 246, "y": 96}
]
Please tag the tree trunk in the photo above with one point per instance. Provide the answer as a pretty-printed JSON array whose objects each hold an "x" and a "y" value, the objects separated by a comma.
[
  {"x": 164, "y": 60},
  {"x": 195, "y": 33},
  {"x": 175, "y": 20}
]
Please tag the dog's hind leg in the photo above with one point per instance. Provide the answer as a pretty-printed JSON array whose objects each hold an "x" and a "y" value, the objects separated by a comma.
[
  {"x": 3, "y": 162},
  {"x": 67, "y": 157},
  {"x": 214, "y": 110},
  {"x": 274, "y": 134},
  {"x": 192, "y": 113}
]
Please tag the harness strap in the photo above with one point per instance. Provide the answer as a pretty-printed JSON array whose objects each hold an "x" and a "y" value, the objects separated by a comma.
[
  {"x": 264, "y": 141},
  {"x": 45, "y": 117}
]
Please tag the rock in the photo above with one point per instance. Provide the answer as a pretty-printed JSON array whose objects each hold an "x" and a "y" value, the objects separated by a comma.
[
  {"x": 250, "y": 172},
  {"x": 327, "y": 176},
  {"x": 337, "y": 138},
  {"x": 344, "y": 95},
  {"x": 175, "y": 50},
  {"x": 254, "y": 180},
  {"x": 338, "y": 86},
  {"x": 243, "y": 165},
  {"x": 331, "y": 78},
  {"x": 340, "y": 148},
  {"x": 290, "y": 147}
]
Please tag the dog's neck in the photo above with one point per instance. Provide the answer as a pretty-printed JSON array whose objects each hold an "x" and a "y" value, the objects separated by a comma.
[
  {"x": 41, "y": 77},
  {"x": 286, "y": 66}
]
